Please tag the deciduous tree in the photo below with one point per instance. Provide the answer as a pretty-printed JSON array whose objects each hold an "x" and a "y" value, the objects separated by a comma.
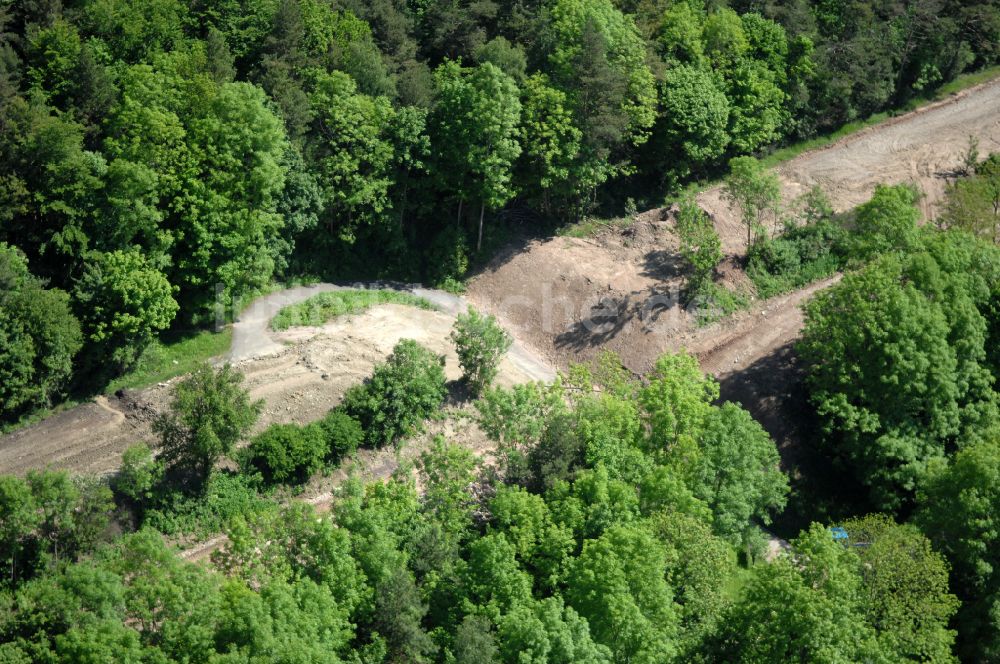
[{"x": 210, "y": 411}]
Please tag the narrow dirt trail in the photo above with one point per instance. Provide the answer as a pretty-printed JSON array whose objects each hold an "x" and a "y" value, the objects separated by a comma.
[
  {"x": 299, "y": 374},
  {"x": 923, "y": 147},
  {"x": 775, "y": 324}
]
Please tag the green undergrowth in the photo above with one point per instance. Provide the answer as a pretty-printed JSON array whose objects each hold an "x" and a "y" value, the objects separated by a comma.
[
  {"x": 798, "y": 257},
  {"x": 175, "y": 355},
  {"x": 225, "y": 497},
  {"x": 715, "y": 303},
  {"x": 591, "y": 226},
  {"x": 323, "y": 307}
]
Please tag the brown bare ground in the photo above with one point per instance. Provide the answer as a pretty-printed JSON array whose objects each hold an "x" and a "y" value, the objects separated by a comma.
[
  {"x": 570, "y": 298},
  {"x": 300, "y": 381},
  {"x": 566, "y": 299}
]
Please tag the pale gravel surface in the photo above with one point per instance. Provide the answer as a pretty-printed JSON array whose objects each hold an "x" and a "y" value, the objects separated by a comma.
[
  {"x": 923, "y": 147},
  {"x": 299, "y": 373}
]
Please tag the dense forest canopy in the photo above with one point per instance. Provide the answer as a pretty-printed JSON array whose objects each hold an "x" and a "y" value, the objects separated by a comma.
[
  {"x": 214, "y": 146},
  {"x": 161, "y": 159}
]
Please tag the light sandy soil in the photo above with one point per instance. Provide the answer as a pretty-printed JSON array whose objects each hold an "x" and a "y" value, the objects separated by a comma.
[
  {"x": 300, "y": 375},
  {"x": 923, "y": 147},
  {"x": 570, "y": 298},
  {"x": 565, "y": 299}
]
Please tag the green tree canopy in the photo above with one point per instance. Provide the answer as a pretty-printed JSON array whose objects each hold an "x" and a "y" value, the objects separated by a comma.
[
  {"x": 197, "y": 136},
  {"x": 895, "y": 355},
  {"x": 958, "y": 510},
  {"x": 209, "y": 413},
  {"x": 39, "y": 337},
  {"x": 123, "y": 302},
  {"x": 474, "y": 125}
]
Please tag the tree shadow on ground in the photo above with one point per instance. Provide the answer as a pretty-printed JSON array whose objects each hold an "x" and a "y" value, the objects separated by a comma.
[
  {"x": 458, "y": 393},
  {"x": 774, "y": 390},
  {"x": 662, "y": 264},
  {"x": 603, "y": 322}
]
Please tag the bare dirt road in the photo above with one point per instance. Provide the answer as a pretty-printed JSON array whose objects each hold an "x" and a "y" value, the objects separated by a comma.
[
  {"x": 923, "y": 147},
  {"x": 565, "y": 299},
  {"x": 299, "y": 373},
  {"x": 569, "y": 298}
]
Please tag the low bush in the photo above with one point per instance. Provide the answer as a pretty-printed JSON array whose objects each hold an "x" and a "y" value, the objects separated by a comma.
[
  {"x": 320, "y": 308},
  {"x": 405, "y": 389},
  {"x": 225, "y": 496},
  {"x": 715, "y": 302},
  {"x": 481, "y": 344},
  {"x": 286, "y": 452},
  {"x": 342, "y": 435},
  {"x": 800, "y": 256}
]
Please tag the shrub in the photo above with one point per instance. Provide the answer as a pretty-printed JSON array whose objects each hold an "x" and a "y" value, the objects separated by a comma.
[
  {"x": 779, "y": 256},
  {"x": 404, "y": 390},
  {"x": 225, "y": 497},
  {"x": 800, "y": 256},
  {"x": 699, "y": 244},
  {"x": 286, "y": 452},
  {"x": 342, "y": 434},
  {"x": 139, "y": 474},
  {"x": 480, "y": 343}
]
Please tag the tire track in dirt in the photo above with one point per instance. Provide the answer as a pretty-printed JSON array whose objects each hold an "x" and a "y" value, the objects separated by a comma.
[
  {"x": 924, "y": 147},
  {"x": 300, "y": 374}
]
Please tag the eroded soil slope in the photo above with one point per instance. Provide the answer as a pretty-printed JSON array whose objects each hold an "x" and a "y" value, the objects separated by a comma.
[{"x": 569, "y": 298}]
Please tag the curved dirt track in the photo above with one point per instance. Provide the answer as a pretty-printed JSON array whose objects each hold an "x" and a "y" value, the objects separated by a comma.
[
  {"x": 252, "y": 335},
  {"x": 923, "y": 147},
  {"x": 564, "y": 298},
  {"x": 299, "y": 373}
]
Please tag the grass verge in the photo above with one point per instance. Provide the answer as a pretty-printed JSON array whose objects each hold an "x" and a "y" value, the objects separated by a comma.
[
  {"x": 172, "y": 356},
  {"x": 591, "y": 226},
  {"x": 960, "y": 83},
  {"x": 325, "y": 306}
]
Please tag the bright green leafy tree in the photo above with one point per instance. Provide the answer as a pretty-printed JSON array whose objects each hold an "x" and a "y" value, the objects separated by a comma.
[
  {"x": 123, "y": 302},
  {"x": 755, "y": 192},
  {"x": 475, "y": 124},
  {"x": 38, "y": 337},
  {"x": 210, "y": 411},
  {"x": 481, "y": 344}
]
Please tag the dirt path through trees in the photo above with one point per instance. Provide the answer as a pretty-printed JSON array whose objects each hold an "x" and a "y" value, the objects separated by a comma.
[
  {"x": 564, "y": 298},
  {"x": 923, "y": 147},
  {"x": 300, "y": 374}
]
